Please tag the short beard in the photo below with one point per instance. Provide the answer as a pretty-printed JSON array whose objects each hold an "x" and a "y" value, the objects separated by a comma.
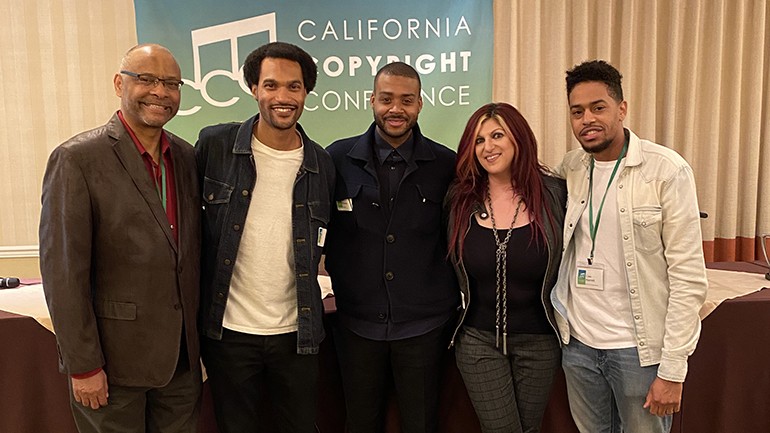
[
  {"x": 381, "y": 124},
  {"x": 599, "y": 148}
]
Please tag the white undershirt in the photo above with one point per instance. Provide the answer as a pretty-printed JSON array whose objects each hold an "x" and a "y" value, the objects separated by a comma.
[
  {"x": 602, "y": 319},
  {"x": 263, "y": 289}
]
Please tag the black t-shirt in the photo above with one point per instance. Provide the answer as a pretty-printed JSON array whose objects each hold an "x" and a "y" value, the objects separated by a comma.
[{"x": 527, "y": 262}]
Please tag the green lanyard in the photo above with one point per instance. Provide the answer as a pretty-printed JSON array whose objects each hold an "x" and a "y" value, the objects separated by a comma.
[
  {"x": 162, "y": 188},
  {"x": 594, "y": 228}
]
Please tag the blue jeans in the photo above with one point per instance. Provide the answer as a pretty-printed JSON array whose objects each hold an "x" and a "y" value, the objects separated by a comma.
[{"x": 607, "y": 390}]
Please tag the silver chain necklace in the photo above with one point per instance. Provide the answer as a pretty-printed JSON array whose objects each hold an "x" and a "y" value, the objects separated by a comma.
[{"x": 501, "y": 268}]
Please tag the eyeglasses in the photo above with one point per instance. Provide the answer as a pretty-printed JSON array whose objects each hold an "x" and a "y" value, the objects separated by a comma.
[{"x": 149, "y": 80}]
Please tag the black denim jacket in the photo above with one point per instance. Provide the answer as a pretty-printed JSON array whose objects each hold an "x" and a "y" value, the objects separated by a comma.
[{"x": 227, "y": 179}]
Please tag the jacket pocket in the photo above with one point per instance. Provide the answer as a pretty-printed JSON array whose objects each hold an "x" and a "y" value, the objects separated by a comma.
[
  {"x": 431, "y": 193},
  {"x": 648, "y": 221},
  {"x": 319, "y": 211},
  {"x": 216, "y": 192},
  {"x": 319, "y": 221},
  {"x": 216, "y": 197},
  {"x": 425, "y": 209},
  {"x": 348, "y": 204},
  {"x": 115, "y": 310}
]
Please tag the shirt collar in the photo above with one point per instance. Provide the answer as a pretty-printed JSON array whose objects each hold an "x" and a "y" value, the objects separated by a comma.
[
  {"x": 383, "y": 149},
  {"x": 165, "y": 147}
]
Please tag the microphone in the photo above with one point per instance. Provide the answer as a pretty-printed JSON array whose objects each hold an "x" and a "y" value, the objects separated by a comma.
[
  {"x": 9, "y": 283},
  {"x": 764, "y": 239}
]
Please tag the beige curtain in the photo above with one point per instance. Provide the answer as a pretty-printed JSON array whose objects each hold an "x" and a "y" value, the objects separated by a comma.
[
  {"x": 58, "y": 60},
  {"x": 696, "y": 80},
  {"x": 696, "y": 77}
]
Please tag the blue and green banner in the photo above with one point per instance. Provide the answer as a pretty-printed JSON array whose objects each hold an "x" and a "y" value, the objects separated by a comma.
[{"x": 448, "y": 42}]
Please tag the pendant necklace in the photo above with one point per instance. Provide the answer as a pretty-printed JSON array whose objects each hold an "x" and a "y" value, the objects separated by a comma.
[{"x": 501, "y": 289}]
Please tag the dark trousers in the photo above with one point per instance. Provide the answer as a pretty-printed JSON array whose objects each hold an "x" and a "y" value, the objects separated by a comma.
[
  {"x": 414, "y": 365},
  {"x": 173, "y": 408},
  {"x": 244, "y": 370}
]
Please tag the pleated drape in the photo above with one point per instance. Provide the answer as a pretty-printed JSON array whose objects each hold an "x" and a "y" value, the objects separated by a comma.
[
  {"x": 696, "y": 80},
  {"x": 696, "y": 76}
]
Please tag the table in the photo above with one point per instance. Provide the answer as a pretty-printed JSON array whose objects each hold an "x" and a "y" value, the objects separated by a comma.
[
  {"x": 727, "y": 388},
  {"x": 33, "y": 394},
  {"x": 728, "y": 384}
]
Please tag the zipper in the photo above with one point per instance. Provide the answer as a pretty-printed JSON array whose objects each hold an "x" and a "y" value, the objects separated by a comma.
[{"x": 468, "y": 295}]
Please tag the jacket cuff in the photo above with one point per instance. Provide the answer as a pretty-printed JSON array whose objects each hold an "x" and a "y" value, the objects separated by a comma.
[
  {"x": 87, "y": 374},
  {"x": 674, "y": 370}
]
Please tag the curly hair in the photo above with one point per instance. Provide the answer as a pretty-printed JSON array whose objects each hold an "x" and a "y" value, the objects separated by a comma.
[
  {"x": 596, "y": 70},
  {"x": 280, "y": 50}
]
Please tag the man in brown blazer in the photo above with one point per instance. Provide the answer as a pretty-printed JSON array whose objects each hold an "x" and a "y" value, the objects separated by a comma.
[{"x": 119, "y": 256}]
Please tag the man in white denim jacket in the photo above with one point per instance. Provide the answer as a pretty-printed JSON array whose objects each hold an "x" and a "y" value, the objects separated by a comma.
[{"x": 632, "y": 279}]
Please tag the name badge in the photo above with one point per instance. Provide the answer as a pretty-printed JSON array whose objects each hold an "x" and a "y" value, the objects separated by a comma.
[
  {"x": 589, "y": 276},
  {"x": 345, "y": 205},
  {"x": 321, "y": 236}
]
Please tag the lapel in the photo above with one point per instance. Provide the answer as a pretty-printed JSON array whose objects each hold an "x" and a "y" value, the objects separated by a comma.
[
  {"x": 125, "y": 150},
  {"x": 362, "y": 154},
  {"x": 422, "y": 151}
]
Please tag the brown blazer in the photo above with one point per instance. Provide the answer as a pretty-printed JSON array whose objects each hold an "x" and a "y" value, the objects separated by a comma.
[{"x": 119, "y": 288}]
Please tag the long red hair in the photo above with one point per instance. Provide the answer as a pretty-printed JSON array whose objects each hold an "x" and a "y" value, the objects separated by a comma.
[{"x": 471, "y": 181}]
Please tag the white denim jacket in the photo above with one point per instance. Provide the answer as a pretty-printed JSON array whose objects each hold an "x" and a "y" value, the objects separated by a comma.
[{"x": 662, "y": 249}]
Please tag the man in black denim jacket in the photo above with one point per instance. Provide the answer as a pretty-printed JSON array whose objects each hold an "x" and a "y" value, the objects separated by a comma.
[{"x": 267, "y": 190}]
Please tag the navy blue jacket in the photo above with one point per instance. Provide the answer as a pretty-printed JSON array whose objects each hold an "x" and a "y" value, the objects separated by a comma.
[
  {"x": 391, "y": 267},
  {"x": 227, "y": 175}
]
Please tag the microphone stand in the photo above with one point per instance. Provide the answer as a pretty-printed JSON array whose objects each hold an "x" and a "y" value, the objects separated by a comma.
[{"x": 764, "y": 252}]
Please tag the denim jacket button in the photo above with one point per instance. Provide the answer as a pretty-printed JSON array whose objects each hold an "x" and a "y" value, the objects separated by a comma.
[
  {"x": 245, "y": 193},
  {"x": 389, "y": 275},
  {"x": 390, "y": 238}
]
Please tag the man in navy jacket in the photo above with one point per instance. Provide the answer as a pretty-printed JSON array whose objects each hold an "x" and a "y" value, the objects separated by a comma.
[{"x": 386, "y": 250}]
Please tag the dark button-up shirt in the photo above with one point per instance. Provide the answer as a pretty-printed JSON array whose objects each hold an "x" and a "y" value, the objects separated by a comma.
[{"x": 155, "y": 172}]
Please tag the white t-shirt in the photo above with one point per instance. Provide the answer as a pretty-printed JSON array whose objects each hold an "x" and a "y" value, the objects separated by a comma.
[
  {"x": 263, "y": 289},
  {"x": 602, "y": 319}
]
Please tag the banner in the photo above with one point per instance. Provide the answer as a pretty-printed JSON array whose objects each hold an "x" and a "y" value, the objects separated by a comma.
[{"x": 448, "y": 42}]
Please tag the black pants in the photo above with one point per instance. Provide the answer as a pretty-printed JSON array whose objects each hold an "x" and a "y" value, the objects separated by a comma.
[
  {"x": 245, "y": 370},
  {"x": 414, "y": 365}
]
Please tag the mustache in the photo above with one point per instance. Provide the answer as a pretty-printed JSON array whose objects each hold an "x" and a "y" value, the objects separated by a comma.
[
  {"x": 589, "y": 128},
  {"x": 161, "y": 103}
]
